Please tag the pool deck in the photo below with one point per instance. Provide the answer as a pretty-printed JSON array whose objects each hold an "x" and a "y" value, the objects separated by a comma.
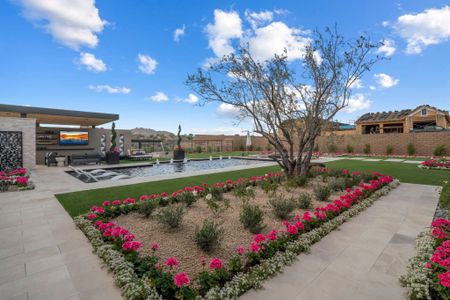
[{"x": 42, "y": 254}]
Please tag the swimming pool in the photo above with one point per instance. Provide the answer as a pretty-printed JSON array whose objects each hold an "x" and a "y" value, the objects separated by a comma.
[{"x": 165, "y": 168}]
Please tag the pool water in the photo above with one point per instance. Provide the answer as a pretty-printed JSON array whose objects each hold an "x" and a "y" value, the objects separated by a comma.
[{"x": 180, "y": 167}]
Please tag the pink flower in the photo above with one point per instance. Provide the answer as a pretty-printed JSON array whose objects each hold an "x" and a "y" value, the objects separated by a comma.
[
  {"x": 131, "y": 246},
  {"x": 116, "y": 202},
  {"x": 171, "y": 262},
  {"x": 240, "y": 250},
  {"x": 307, "y": 217},
  {"x": 254, "y": 247},
  {"x": 259, "y": 238},
  {"x": 291, "y": 229},
  {"x": 174, "y": 194},
  {"x": 129, "y": 237},
  {"x": 106, "y": 203},
  {"x": 91, "y": 216},
  {"x": 215, "y": 263},
  {"x": 188, "y": 189},
  {"x": 181, "y": 279},
  {"x": 143, "y": 198},
  {"x": 444, "y": 279},
  {"x": 155, "y": 246},
  {"x": 272, "y": 235},
  {"x": 299, "y": 225}
]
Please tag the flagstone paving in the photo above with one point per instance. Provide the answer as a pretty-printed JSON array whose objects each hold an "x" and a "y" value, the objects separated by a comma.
[
  {"x": 44, "y": 256},
  {"x": 364, "y": 257}
]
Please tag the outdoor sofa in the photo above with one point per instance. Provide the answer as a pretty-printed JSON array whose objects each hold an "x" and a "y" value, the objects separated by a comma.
[{"x": 85, "y": 158}]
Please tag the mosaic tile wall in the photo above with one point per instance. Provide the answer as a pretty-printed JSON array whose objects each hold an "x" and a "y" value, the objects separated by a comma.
[{"x": 11, "y": 150}]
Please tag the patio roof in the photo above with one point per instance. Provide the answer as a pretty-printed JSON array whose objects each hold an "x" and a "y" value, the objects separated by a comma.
[{"x": 57, "y": 116}]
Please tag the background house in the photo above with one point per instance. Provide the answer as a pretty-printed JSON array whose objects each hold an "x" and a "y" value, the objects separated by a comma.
[{"x": 422, "y": 118}]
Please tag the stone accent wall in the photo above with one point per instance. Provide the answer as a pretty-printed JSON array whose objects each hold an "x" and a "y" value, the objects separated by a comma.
[
  {"x": 28, "y": 129},
  {"x": 424, "y": 142}
]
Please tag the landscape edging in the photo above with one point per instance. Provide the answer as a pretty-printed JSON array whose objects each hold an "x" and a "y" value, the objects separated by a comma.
[{"x": 125, "y": 277}]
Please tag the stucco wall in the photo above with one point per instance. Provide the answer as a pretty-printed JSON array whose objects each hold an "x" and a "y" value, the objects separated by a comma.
[
  {"x": 424, "y": 142},
  {"x": 28, "y": 129},
  {"x": 93, "y": 146}
]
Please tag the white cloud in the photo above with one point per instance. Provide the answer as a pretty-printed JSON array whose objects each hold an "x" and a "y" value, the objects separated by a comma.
[
  {"x": 191, "y": 98},
  {"x": 227, "y": 110},
  {"x": 372, "y": 88},
  {"x": 226, "y": 26},
  {"x": 385, "y": 80},
  {"x": 178, "y": 33},
  {"x": 73, "y": 23},
  {"x": 110, "y": 89},
  {"x": 388, "y": 48},
  {"x": 92, "y": 63},
  {"x": 275, "y": 38},
  {"x": 147, "y": 65},
  {"x": 257, "y": 18},
  {"x": 357, "y": 84},
  {"x": 357, "y": 102},
  {"x": 159, "y": 97},
  {"x": 430, "y": 27}
]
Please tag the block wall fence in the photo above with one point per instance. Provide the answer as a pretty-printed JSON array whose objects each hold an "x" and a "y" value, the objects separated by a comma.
[{"x": 424, "y": 142}]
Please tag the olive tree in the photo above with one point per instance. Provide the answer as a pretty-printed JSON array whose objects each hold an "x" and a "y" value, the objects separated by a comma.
[{"x": 289, "y": 103}]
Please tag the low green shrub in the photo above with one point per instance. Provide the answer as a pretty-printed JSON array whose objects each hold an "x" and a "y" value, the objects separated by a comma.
[
  {"x": 171, "y": 215},
  {"x": 244, "y": 192},
  {"x": 332, "y": 148},
  {"x": 350, "y": 148},
  {"x": 322, "y": 192},
  {"x": 216, "y": 193},
  {"x": 304, "y": 201},
  {"x": 410, "y": 149},
  {"x": 338, "y": 184},
  {"x": 209, "y": 235},
  {"x": 146, "y": 209},
  {"x": 366, "y": 149},
  {"x": 187, "y": 198},
  {"x": 268, "y": 186},
  {"x": 389, "y": 149},
  {"x": 296, "y": 181},
  {"x": 252, "y": 217},
  {"x": 282, "y": 207},
  {"x": 440, "y": 150}
]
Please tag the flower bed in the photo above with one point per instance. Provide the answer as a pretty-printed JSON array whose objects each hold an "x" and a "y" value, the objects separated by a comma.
[
  {"x": 146, "y": 277},
  {"x": 436, "y": 164},
  {"x": 428, "y": 272},
  {"x": 16, "y": 180}
]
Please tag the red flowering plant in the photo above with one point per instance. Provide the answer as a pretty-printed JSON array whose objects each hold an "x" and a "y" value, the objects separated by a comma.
[
  {"x": 440, "y": 260},
  {"x": 15, "y": 180},
  {"x": 167, "y": 278},
  {"x": 436, "y": 163}
]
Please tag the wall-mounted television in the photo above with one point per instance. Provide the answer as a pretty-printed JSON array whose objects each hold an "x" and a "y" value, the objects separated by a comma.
[{"x": 73, "y": 138}]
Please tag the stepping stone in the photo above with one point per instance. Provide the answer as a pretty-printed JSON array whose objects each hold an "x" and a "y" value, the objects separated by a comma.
[
  {"x": 412, "y": 161},
  {"x": 394, "y": 159},
  {"x": 372, "y": 159}
]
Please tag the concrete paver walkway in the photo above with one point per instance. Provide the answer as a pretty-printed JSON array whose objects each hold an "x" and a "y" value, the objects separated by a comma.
[
  {"x": 42, "y": 254},
  {"x": 364, "y": 258}
]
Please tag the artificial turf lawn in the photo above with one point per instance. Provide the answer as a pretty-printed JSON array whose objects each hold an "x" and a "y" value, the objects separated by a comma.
[
  {"x": 409, "y": 173},
  {"x": 80, "y": 202}
]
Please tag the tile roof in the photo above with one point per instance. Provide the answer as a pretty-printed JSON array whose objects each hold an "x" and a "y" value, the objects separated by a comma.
[{"x": 393, "y": 115}]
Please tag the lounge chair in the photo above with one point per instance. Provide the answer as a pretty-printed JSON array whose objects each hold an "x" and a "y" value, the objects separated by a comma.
[
  {"x": 98, "y": 174},
  {"x": 138, "y": 154}
]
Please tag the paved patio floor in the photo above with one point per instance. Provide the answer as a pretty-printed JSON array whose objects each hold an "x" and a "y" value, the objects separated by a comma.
[
  {"x": 43, "y": 255},
  {"x": 364, "y": 258}
]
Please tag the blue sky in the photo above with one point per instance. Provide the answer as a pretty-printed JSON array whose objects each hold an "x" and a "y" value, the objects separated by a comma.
[{"x": 122, "y": 56}]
